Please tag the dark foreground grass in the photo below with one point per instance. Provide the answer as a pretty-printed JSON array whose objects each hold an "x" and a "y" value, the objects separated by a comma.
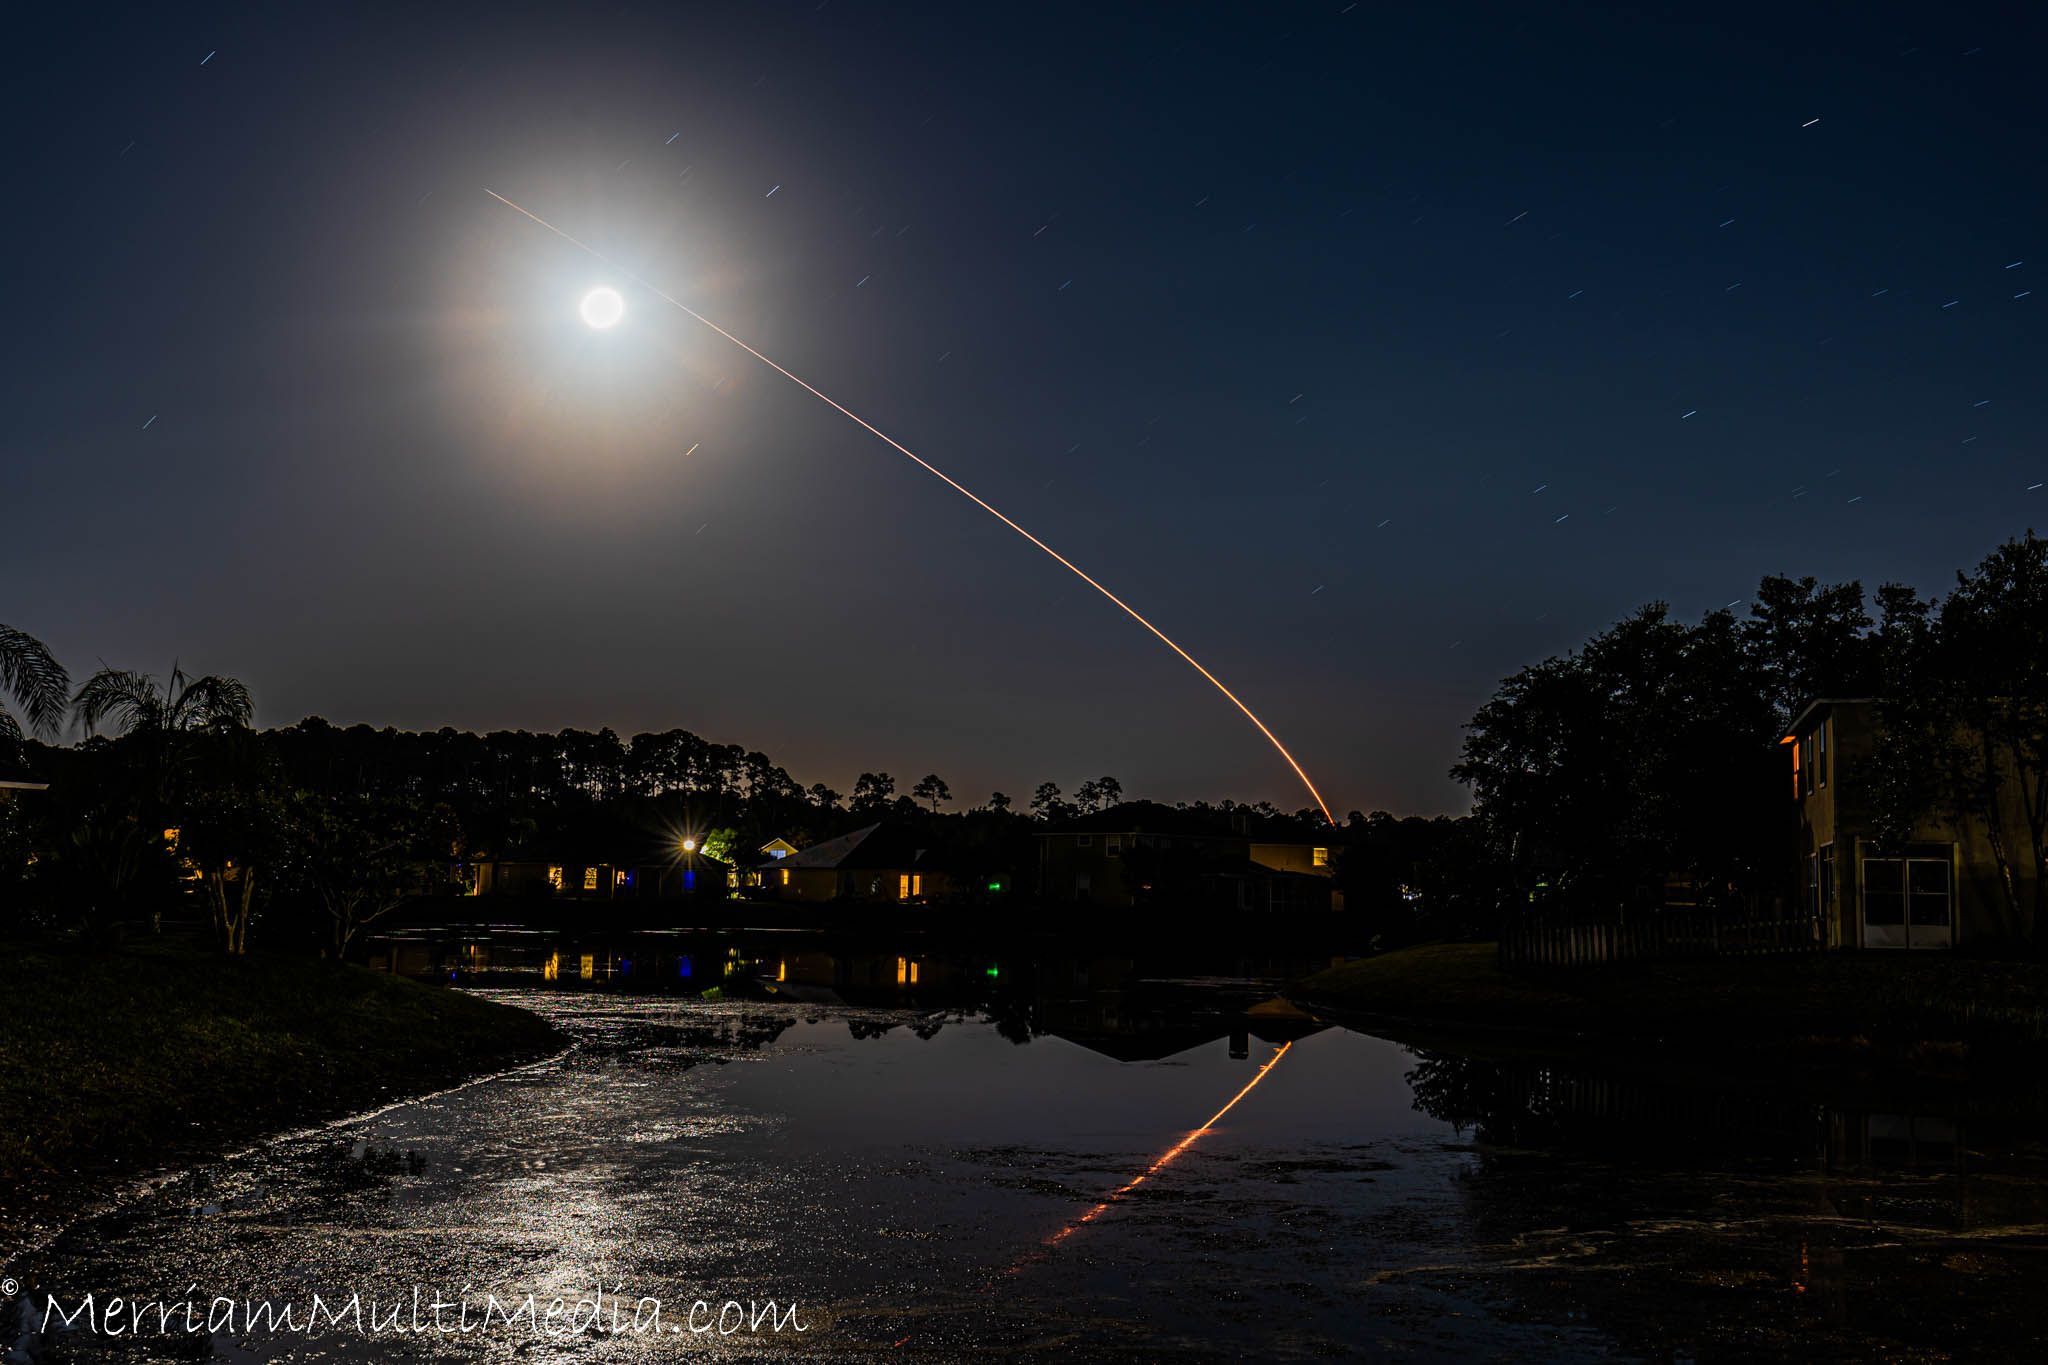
[
  {"x": 1901, "y": 1004},
  {"x": 116, "y": 1061}
]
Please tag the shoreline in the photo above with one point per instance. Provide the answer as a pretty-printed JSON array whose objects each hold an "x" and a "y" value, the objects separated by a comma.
[
  {"x": 105, "y": 1052},
  {"x": 1844, "y": 1024}
]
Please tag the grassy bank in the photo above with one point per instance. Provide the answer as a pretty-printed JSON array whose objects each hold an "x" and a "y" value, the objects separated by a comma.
[
  {"x": 113, "y": 1061},
  {"x": 1926, "y": 1008}
]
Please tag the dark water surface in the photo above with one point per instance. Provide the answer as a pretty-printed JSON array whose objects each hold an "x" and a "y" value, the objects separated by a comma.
[{"x": 932, "y": 1169}]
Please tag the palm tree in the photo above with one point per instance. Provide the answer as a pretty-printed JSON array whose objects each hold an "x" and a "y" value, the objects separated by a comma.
[
  {"x": 188, "y": 763},
  {"x": 36, "y": 681},
  {"x": 184, "y": 705},
  {"x": 168, "y": 725}
]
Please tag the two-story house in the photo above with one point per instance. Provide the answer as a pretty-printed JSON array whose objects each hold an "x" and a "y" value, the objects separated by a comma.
[{"x": 1941, "y": 888}]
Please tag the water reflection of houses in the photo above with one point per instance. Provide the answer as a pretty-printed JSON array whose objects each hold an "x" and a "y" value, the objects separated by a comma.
[
  {"x": 1115, "y": 1005},
  {"x": 1652, "y": 1207},
  {"x": 1111, "y": 1005},
  {"x": 1527, "y": 1103}
]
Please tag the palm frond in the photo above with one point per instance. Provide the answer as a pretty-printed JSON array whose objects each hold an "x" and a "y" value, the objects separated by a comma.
[
  {"x": 130, "y": 698},
  {"x": 214, "y": 703},
  {"x": 32, "y": 675}
]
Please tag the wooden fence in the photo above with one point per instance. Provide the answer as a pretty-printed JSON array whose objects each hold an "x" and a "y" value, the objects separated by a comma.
[{"x": 1577, "y": 938}]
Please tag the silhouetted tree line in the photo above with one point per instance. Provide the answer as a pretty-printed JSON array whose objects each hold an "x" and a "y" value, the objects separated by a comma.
[
  {"x": 1650, "y": 752},
  {"x": 316, "y": 831}
]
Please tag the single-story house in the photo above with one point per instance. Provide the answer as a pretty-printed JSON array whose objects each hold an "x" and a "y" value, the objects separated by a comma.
[{"x": 882, "y": 862}]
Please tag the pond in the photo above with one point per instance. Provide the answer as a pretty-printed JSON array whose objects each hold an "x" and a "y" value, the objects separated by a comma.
[{"x": 1034, "y": 1153}]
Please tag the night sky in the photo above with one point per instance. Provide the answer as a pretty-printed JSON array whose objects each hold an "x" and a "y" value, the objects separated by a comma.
[{"x": 1355, "y": 344}]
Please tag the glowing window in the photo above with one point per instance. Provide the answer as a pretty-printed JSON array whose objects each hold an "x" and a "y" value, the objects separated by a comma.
[
  {"x": 913, "y": 973},
  {"x": 902, "y": 970},
  {"x": 588, "y": 967},
  {"x": 903, "y": 887},
  {"x": 1798, "y": 777},
  {"x": 1322, "y": 857},
  {"x": 622, "y": 878},
  {"x": 917, "y": 884},
  {"x": 555, "y": 878},
  {"x": 590, "y": 879},
  {"x": 785, "y": 876}
]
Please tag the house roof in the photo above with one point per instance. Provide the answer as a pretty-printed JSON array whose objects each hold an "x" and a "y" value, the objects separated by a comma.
[
  {"x": 878, "y": 845},
  {"x": 1149, "y": 817},
  {"x": 1812, "y": 711},
  {"x": 19, "y": 779}
]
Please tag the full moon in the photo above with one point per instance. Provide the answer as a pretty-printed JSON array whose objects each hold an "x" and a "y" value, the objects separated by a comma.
[{"x": 602, "y": 308}]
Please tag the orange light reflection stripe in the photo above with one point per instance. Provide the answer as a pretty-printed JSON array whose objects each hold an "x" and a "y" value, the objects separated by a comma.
[{"x": 1165, "y": 1159}]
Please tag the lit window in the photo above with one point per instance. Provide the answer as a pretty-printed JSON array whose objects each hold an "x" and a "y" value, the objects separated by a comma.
[
  {"x": 590, "y": 879},
  {"x": 555, "y": 878},
  {"x": 917, "y": 884},
  {"x": 913, "y": 973},
  {"x": 785, "y": 876},
  {"x": 902, "y": 971},
  {"x": 1322, "y": 857},
  {"x": 1797, "y": 790},
  {"x": 903, "y": 887},
  {"x": 622, "y": 878},
  {"x": 588, "y": 967}
]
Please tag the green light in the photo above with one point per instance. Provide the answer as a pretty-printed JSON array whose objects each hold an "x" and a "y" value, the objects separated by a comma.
[
  {"x": 995, "y": 886},
  {"x": 995, "y": 971}
]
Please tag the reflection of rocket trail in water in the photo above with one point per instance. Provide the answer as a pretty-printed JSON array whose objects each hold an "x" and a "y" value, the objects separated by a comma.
[
  {"x": 957, "y": 487},
  {"x": 1165, "y": 1159}
]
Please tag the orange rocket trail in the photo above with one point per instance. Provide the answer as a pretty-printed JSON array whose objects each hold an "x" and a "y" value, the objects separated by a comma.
[{"x": 950, "y": 482}]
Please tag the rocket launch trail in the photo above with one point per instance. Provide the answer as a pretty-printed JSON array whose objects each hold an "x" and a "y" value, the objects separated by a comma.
[{"x": 950, "y": 482}]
